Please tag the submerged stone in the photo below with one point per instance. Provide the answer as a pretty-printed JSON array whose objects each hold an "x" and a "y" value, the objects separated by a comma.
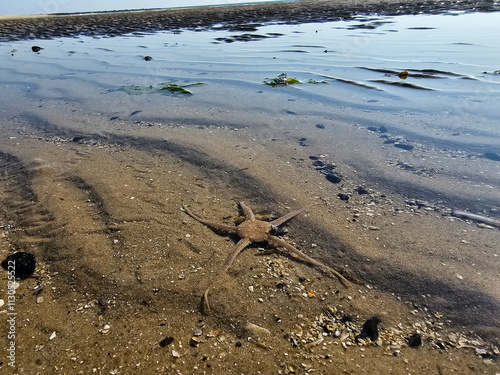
[
  {"x": 404, "y": 146},
  {"x": 333, "y": 178}
]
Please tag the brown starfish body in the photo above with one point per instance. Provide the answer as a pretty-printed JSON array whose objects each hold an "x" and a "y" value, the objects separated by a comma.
[{"x": 254, "y": 230}]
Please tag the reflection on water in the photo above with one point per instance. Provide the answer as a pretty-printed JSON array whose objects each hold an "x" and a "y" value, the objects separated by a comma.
[{"x": 451, "y": 62}]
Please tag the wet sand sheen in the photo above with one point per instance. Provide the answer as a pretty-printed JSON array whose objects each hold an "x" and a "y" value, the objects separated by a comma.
[
  {"x": 121, "y": 268},
  {"x": 115, "y": 245}
]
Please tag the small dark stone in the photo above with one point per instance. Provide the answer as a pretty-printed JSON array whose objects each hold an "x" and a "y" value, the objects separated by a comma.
[
  {"x": 319, "y": 164},
  {"x": 373, "y": 129},
  {"x": 383, "y": 129},
  {"x": 314, "y": 157},
  {"x": 279, "y": 231},
  {"x": 36, "y": 49},
  {"x": 361, "y": 190},
  {"x": 166, "y": 341},
  {"x": 148, "y": 58},
  {"x": 320, "y": 126},
  {"x": 134, "y": 113},
  {"x": 333, "y": 178},
  {"x": 415, "y": 340},
  {"x": 370, "y": 328},
  {"x": 346, "y": 318},
  {"x": 303, "y": 142},
  {"x": 238, "y": 344},
  {"x": 302, "y": 279},
  {"x": 78, "y": 139},
  {"x": 114, "y": 118},
  {"x": 492, "y": 156},
  {"x": 343, "y": 197},
  {"x": 490, "y": 355},
  {"x": 194, "y": 342},
  {"x": 389, "y": 141},
  {"x": 281, "y": 286},
  {"x": 20, "y": 264},
  {"x": 404, "y": 146}
]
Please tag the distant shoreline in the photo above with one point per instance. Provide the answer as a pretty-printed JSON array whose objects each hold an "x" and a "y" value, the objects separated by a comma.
[{"x": 230, "y": 17}]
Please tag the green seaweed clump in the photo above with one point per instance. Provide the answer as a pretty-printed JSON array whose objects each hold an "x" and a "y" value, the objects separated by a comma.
[
  {"x": 314, "y": 82},
  {"x": 281, "y": 80},
  {"x": 161, "y": 88},
  {"x": 174, "y": 87}
]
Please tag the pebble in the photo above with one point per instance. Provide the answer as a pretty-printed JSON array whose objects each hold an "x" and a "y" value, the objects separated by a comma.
[
  {"x": 370, "y": 328},
  {"x": 2, "y": 302},
  {"x": 24, "y": 264},
  {"x": 333, "y": 178},
  {"x": 404, "y": 146},
  {"x": 256, "y": 331},
  {"x": 343, "y": 197},
  {"x": 415, "y": 340},
  {"x": 166, "y": 341},
  {"x": 197, "y": 332},
  {"x": 250, "y": 288},
  {"x": 175, "y": 354},
  {"x": 52, "y": 336},
  {"x": 39, "y": 299}
]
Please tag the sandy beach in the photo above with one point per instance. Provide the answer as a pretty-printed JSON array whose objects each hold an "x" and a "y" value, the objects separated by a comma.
[{"x": 98, "y": 196}]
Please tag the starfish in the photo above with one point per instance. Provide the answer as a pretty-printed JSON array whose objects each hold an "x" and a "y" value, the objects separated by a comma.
[{"x": 254, "y": 230}]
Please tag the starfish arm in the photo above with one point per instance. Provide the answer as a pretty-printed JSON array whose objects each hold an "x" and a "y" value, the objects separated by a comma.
[
  {"x": 205, "y": 304},
  {"x": 247, "y": 211},
  {"x": 244, "y": 242},
  {"x": 283, "y": 219},
  {"x": 299, "y": 254},
  {"x": 209, "y": 223}
]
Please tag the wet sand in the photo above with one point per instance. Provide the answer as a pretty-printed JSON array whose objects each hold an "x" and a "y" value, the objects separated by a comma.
[
  {"x": 239, "y": 17},
  {"x": 122, "y": 268}
]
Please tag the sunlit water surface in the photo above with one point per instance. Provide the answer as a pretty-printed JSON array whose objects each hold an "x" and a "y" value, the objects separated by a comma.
[{"x": 449, "y": 98}]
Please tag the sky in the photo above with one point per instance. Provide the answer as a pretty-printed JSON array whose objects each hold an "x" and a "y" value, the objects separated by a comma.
[{"x": 10, "y": 8}]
